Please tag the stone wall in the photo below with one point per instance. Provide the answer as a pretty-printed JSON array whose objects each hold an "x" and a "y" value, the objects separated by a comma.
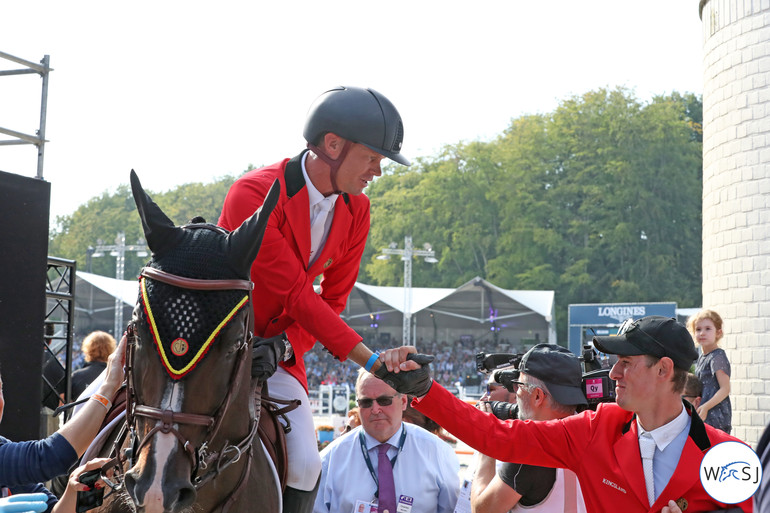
[{"x": 736, "y": 198}]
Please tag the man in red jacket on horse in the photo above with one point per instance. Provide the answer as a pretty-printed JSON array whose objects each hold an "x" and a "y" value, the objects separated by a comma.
[{"x": 319, "y": 227}]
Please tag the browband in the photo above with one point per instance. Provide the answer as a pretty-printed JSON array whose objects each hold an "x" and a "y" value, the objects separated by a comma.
[{"x": 193, "y": 283}]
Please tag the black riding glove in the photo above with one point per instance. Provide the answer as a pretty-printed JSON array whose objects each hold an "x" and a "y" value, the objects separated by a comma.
[
  {"x": 416, "y": 382},
  {"x": 503, "y": 410},
  {"x": 265, "y": 355}
]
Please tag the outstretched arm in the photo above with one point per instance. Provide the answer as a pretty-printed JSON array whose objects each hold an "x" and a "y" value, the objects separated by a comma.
[{"x": 84, "y": 425}]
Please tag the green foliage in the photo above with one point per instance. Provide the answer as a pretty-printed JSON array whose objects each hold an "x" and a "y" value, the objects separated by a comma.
[
  {"x": 599, "y": 200},
  {"x": 103, "y": 217}
]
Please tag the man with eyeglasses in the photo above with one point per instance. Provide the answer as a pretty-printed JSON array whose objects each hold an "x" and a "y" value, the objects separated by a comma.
[
  {"x": 386, "y": 464},
  {"x": 604, "y": 447}
]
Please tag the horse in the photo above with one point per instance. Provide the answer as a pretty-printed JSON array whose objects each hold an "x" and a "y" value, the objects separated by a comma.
[{"x": 189, "y": 440}]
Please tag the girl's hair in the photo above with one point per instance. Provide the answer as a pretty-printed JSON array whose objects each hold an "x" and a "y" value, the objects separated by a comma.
[
  {"x": 98, "y": 346},
  {"x": 705, "y": 314}
]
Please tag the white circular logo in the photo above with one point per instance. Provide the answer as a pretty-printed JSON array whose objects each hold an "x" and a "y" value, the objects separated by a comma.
[
  {"x": 340, "y": 402},
  {"x": 730, "y": 472}
]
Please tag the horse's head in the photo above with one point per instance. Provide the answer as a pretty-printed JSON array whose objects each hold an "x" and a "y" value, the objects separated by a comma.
[{"x": 189, "y": 395}]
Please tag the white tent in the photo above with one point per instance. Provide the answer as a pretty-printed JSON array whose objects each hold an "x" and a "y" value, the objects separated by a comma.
[
  {"x": 477, "y": 309},
  {"x": 95, "y": 301}
]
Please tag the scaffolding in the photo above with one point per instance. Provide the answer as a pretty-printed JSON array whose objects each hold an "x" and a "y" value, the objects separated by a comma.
[
  {"x": 43, "y": 69},
  {"x": 59, "y": 323}
]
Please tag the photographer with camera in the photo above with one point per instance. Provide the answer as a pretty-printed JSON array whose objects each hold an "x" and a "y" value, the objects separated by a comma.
[
  {"x": 548, "y": 387},
  {"x": 602, "y": 447}
]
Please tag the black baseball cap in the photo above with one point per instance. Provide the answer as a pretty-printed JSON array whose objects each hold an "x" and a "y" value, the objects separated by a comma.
[
  {"x": 654, "y": 335},
  {"x": 559, "y": 369}
]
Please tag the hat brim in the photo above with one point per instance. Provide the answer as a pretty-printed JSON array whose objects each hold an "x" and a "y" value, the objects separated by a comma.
[
  {"x": 567, "y": 395},
  {"x": 395, "y": 157},
  {"x": 619, "y": 345}
]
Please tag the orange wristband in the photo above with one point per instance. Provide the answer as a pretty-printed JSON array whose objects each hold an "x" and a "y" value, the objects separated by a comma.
[{"x": 102, "y": 400}]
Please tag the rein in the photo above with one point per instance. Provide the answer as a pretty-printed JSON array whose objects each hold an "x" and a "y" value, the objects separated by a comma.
[{"x": 202, "y": 458}]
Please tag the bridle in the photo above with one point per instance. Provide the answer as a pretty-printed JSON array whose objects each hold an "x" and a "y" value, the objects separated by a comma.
[{"x": 206, "y": 463}]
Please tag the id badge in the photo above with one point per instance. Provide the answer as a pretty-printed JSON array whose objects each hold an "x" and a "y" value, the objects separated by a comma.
[
  {"x": 365, "y": 507},
  {"x": 404, "y": 504}
]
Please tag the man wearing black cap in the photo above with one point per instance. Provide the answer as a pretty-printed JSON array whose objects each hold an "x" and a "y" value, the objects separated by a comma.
[
  {"x": 603, "y": 447},
  {"x": 549, "y": 387}
]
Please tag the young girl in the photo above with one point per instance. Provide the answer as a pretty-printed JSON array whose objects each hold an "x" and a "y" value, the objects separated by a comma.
[{"x": 713, "y": 369}]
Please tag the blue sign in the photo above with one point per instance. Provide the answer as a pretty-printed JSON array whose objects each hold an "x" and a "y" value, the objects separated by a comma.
[{"x": 604, "y": 318}]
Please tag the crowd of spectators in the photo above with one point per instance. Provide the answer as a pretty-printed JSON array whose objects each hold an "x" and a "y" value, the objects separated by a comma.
[{"x": 455, "y": 362}]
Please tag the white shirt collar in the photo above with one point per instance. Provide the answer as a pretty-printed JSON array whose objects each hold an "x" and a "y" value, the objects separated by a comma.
[
  {"x": 666, "y": 433},
  {"x": 372, "y": 442},
  {"x": 314, "y": 196}
]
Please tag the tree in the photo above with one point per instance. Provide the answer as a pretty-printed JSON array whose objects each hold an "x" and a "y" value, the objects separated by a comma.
[
  {"x": 599, "y": 200},
  {"x": 102, "y": 217}
]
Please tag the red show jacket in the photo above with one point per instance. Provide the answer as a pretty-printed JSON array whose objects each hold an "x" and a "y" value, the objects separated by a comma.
[
  {"x": 283, "y": 296},
  {"x": 601, "y": 447}
]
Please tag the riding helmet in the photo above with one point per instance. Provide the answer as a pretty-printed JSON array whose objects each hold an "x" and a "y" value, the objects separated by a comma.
[{"x": 360, "y": 115}]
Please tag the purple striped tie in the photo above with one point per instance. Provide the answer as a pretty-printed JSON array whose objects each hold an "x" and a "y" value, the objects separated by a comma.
[{"x": 387, "y": 496}]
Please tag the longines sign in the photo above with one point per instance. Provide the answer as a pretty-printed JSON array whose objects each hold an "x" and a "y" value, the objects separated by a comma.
[
  {"x": 621, "y": 313},
  {"x": 616, "y": 313}
]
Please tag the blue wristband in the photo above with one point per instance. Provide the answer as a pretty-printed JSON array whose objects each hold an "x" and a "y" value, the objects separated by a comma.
[{"x": 370, "y": 362}]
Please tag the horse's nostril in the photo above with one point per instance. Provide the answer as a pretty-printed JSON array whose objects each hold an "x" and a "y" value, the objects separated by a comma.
[
  {"x": 130, "y": 483},
  {"x": 185, "y": 498}
]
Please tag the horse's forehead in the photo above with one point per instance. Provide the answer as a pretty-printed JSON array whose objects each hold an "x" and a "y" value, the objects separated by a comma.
[
  {"x": 201, "y": 253},
  {"x": 185, "y": 324}
]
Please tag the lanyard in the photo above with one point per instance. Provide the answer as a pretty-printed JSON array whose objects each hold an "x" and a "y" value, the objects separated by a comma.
[{"x": 362, "y": 441}]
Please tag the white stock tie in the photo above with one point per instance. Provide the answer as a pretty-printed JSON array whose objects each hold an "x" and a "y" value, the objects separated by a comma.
[
  {"x": 317, "y": 225},
  {"x": 647, "y": 448}
]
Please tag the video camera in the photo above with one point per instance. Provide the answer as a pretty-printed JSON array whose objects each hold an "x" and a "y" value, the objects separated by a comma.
[
  {"x": 597, "y": 385},
  {"x": 492, "y": 362}
]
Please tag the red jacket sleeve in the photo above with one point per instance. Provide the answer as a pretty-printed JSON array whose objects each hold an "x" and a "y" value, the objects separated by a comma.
[{"x": 554, "y": 443}]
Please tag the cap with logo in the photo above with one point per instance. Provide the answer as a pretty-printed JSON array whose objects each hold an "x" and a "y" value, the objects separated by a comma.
[{"x": 653, "y": 335}]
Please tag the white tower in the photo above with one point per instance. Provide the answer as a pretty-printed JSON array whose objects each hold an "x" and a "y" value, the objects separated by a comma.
[{"x": 736, "y": 198}]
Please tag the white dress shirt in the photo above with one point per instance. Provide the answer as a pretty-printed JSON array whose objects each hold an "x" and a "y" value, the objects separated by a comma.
[
  {"x": 321, "y": 215},
  {"x": 669, "y": 441},
  {"x": 426, "y": 470}
]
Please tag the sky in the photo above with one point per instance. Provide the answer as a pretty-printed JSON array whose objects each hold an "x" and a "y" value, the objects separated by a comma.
[{"x": 189, "y": 91}]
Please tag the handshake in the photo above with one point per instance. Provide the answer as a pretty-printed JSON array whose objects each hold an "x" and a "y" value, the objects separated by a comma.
[{"x": 413, "y": 382}]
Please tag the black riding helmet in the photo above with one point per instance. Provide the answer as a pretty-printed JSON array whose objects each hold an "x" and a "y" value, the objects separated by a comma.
[{"x": 359, "y": 115}]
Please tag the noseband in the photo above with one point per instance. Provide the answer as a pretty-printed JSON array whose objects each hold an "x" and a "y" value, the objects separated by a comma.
[{"x": 201, "y": 457}]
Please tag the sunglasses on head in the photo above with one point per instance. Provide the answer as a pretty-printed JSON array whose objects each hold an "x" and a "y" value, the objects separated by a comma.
[
  {"x": 383, "y": 400},
  {"x": 632, "y": 325}
]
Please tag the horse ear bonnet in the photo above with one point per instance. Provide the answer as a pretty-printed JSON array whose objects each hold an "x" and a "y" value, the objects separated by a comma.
[{"x": 185, "y": 322}]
